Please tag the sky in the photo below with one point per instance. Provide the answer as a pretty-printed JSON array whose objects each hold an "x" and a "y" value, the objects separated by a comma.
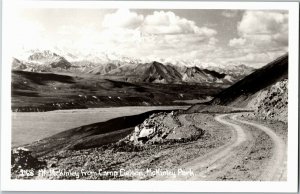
[{"x": 217, "y": 37}]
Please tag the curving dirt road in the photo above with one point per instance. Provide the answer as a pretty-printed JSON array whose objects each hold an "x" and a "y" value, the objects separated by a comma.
[
  {"x": 255, "y": 152},
  {"x": 276, "y": 169}
]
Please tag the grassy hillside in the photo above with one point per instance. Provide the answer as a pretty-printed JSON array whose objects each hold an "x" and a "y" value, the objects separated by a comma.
[{"x": 33, "y": 91}]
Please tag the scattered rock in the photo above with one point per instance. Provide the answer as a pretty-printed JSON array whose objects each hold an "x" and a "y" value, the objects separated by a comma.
[
  {"x": 21, "y": 159},
  {"x": 272, "y": 103},
  {"x": 163, "y": 127}
]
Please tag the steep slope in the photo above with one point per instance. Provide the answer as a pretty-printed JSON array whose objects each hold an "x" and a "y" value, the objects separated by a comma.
[
  {"x": 197, "y": 75},
  {"x": 154, "y": 72},
  {"x": 272, "y": 102},
  {"x": 102, "y": 69},
  {"x": 214, "y": 73},
  {"x": 18, "y": 65},
  {"x": 265, "y": 92},
  {"x": 61, "y": 63},
  {"x": 126, "y": 69},
  {"x": 244, "y": 90},
  {"x": 233, "y": 72}
]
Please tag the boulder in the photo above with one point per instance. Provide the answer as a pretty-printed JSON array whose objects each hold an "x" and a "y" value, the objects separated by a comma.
[{"x": 145, "y": 132}]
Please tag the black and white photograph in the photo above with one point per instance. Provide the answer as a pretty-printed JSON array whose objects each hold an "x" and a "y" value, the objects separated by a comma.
[{"x": 151, "y": 93}]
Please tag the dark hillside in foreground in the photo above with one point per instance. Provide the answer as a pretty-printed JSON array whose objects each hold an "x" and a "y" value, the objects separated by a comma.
[
  {"x": 244, "y": 90},
  {"x": 264, "y": 92}
]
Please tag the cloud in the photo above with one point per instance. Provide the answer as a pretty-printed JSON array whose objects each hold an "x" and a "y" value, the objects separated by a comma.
[
  {"x": 158, "y": 35},
  {"x": 267, "y": 26},
  {"x": 122, "y": 18},
  {"x": 230, "y": 13},
  {"x": 256, "y": 59},
  {"x": 237, "y": 42},
  {"x": 263, "y": 36},
  {"x": 262, "y": 29},
  {"x": 263, "y": 22},
  {"x": 27, "y": 33},
  {"x": 161, "y": 22}
]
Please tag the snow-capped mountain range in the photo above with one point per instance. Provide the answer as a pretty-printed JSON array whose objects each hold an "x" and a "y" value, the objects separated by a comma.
[{"x": 128, "y": 69}]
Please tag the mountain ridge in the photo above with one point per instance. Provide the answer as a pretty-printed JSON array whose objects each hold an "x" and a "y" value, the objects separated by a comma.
[{"x": 129, "y": 70}]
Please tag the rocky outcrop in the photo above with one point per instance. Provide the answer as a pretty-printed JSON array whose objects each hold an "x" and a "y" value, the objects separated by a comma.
[
  {"x": 164, "y": 127},
  {"x": 272, "y": 103},
  {"x": 23, "y": 164},
  {"x": 152, "y": 129}
]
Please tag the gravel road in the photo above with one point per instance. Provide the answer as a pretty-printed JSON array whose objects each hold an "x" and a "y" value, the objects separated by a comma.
[
  {"x": 254, "y": 152},
  {"x": 277, "y": 165}
]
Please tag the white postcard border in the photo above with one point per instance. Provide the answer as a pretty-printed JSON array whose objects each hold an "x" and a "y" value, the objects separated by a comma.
[{"x": 172, "y": 186}]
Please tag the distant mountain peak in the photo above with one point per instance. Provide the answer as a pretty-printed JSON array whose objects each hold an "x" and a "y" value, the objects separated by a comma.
[
  {"x": 42, "y": 61},
  {"x": 130, "y": 68},
  {"x": 156, "y": 62},
  {"x": 43, "y": 55}
]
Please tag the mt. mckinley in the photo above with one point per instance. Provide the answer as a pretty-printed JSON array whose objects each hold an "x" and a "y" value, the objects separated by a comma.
[{"x": 128, "y": 69}]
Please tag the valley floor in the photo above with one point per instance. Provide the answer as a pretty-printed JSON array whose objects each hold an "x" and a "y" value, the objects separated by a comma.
[{"x": 233, "y": 147}]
